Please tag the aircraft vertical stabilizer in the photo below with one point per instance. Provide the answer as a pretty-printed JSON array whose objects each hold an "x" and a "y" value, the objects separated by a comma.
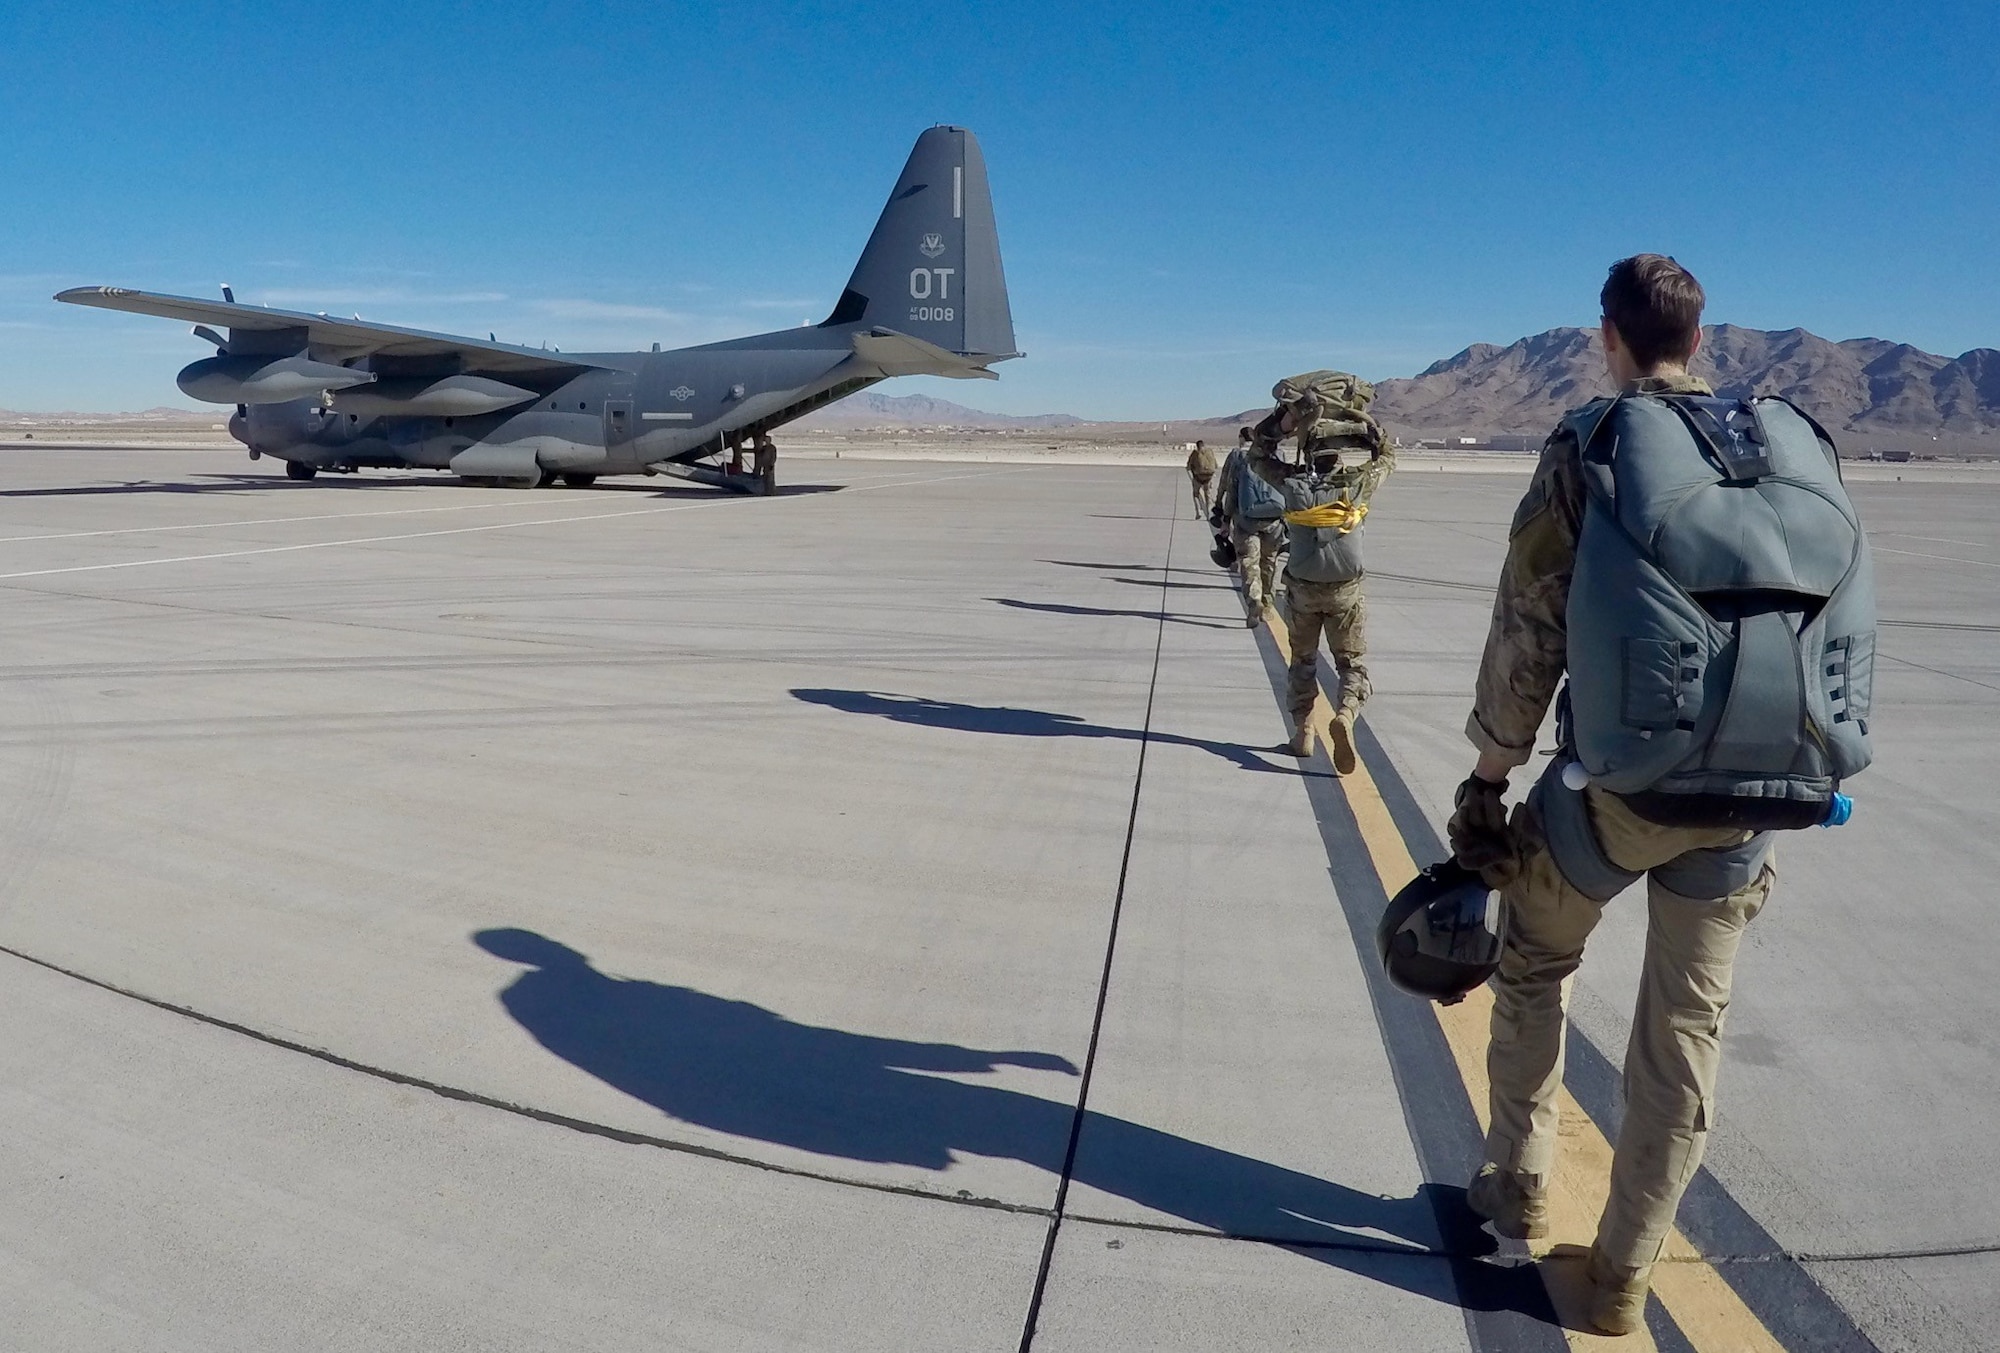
[{"x": 932, "y": 267}]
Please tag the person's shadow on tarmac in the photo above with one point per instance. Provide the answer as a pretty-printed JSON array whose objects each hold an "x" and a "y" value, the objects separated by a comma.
[
  {"x": 738, "y": 1068},
  {"x": 1013, "y": 721}
]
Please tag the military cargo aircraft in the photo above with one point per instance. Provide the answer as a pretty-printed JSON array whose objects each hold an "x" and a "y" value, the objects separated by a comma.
[{"x": 928, "y": 297}]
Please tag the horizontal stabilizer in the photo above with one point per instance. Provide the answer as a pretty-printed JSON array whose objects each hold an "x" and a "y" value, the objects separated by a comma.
[{"x": 895, "y": 354}]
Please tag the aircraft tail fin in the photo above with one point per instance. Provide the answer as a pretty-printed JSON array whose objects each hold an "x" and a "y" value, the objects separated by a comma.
[{"x": 932, "y": 268}]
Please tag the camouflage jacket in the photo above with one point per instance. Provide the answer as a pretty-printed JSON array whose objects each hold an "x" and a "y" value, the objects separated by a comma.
[
  {"x": 1201, "y": 463},
  {"x": 1527, "y": 644},
  {"x": 1358, "y": 480}
]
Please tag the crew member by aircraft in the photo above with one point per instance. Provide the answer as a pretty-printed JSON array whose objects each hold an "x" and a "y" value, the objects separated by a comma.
[
  {"x": 1344, "y": 456},
  {"x": 1683, "y": 560}
]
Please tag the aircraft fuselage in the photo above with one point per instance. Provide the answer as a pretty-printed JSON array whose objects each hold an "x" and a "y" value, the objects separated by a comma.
[{"x": 624, "y": 413}]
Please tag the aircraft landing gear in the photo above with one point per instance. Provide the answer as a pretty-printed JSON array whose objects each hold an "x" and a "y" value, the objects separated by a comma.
[
  {"x": 579, "y": 481},
  {"x": 298, "y": 469}
]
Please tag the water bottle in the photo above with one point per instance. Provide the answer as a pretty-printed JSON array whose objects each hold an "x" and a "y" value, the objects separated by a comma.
[{"x": 1838, "y": 809}]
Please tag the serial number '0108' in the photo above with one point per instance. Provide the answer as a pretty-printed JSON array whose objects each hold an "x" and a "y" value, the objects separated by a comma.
[{"x": 932, "y": 312}]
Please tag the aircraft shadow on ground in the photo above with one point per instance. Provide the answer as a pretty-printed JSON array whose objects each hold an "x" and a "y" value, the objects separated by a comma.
[
  {"x": 1025, "y": 723},
  {"x": 1062, "y": 608},
  {"x": 739, "y": 1068},
  {"x": 217, "y": 484},
  {"x": 279, "y": 483},
  {"x": 680, "y": 490}
]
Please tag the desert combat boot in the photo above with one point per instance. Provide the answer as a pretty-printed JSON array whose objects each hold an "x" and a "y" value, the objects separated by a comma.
[
  {"x": 1340, "y": 741},
  {"x": 1617, "y": 1295},
  {"x": 1516, "y": 1204}
]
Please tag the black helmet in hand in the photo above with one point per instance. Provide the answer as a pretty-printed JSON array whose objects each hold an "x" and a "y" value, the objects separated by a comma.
[{"x": 1441, "y": 935}]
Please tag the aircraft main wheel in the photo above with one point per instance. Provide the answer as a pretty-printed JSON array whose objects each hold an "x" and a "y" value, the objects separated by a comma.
[
  {"x": 547, "y": 479},
  {"x": 579, "y": 481},
  {"x": 296, "y": 469}
]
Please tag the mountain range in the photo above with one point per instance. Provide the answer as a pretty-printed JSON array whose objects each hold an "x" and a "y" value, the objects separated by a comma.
[
  {"x": 871, "y": 410},
  {"x": 1868, "y": 391},
  {"x": 1864, "y": 386}
]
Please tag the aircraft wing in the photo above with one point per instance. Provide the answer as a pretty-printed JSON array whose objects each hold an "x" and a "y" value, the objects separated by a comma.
[{"x": 340, "y": 339}]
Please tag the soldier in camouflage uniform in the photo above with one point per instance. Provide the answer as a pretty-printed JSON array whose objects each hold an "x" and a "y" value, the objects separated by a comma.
[
  {"x": 1201, "y": 473},
  {"x": 1256, "y": 539},
  {"x": 1651, "y": 329},
  {"x": 1348, "y": 457}
]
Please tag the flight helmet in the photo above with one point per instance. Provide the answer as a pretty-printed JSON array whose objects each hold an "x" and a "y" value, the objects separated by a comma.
[{"x": 1441, "y": 936}]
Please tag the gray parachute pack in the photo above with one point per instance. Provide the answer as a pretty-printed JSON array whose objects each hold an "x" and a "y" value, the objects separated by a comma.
[{"x": 1722, "y": 613}]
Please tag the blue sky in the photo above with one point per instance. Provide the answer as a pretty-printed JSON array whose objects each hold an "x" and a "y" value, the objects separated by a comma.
[{"x": 1193, "y": 199}]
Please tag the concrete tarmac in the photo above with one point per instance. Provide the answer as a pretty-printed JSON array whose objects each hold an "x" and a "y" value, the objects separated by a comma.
[{"x": 881, "y": 917}]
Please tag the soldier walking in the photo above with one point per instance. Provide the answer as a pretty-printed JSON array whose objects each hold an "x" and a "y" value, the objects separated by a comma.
[
  {"x": 1347, "y": 456},
  {"x": 1201, "y": 474},
  {"x": 1684, "y": 561},
  {"x": 1250, "y": 503}
]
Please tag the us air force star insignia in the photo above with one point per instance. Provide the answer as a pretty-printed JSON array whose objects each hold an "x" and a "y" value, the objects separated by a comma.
[
  {"x": 682, "y": 393},
  {"x": 932, "y": 246}
]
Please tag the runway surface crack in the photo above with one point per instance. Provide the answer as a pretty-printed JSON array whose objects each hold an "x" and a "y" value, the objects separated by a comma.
[{"x": 1110, "y": 954}]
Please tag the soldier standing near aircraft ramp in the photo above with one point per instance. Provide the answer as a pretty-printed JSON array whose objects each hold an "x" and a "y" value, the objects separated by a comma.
[
  {"x": 1325, "y": 506},
  {"x": 1694, "y": 567}
]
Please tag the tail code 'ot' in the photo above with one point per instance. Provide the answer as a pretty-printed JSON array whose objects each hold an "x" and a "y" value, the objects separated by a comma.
[{"x": 932, "y": 267}]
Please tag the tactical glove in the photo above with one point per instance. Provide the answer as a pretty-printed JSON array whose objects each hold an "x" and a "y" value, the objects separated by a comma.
[{"x": 1478, "y": 830}]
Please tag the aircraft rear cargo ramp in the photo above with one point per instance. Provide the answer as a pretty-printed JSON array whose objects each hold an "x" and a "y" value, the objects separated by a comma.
[{"x": 512, "y": 921}]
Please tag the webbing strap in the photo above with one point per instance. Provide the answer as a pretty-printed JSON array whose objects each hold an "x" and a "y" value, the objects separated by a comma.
[
  {"x": 1763, "y": 723},
  {"x": 1338, "y": 515},
  {"x": 1565, "y": 819}
]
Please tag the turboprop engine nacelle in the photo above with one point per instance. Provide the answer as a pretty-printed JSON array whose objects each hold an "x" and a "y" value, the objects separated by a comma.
[
  {"x": 425, "y": 397},
  {"x": 260, "y": 379}
]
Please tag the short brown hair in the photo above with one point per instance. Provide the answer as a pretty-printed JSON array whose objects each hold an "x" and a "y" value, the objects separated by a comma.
[{"x": 1656, "y": 305}]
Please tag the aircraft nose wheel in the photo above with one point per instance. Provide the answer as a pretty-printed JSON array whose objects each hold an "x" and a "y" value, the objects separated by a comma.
[{"x": 295, "y": 469}]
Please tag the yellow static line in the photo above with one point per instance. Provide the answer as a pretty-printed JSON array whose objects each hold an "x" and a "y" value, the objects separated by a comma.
[{"x": 1706, "y": 1308}]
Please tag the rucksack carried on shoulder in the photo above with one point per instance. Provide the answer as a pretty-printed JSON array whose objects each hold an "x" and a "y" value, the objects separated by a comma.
[
  {"x": 1721, "y": 615},
  {"x": 1318, "y": 395}
]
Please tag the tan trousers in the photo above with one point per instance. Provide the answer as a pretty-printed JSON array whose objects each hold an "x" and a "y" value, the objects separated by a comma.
[
  {"x": 1256, "y": 557},
  {"x": 1202, "y": 495},
  {"x": 1676, "y": 1045},
  {"x": 1338, "y": 612}
]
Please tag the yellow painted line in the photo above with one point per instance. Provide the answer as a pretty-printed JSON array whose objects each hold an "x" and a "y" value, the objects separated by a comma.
[{"x": 1707, "y": 1309}]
